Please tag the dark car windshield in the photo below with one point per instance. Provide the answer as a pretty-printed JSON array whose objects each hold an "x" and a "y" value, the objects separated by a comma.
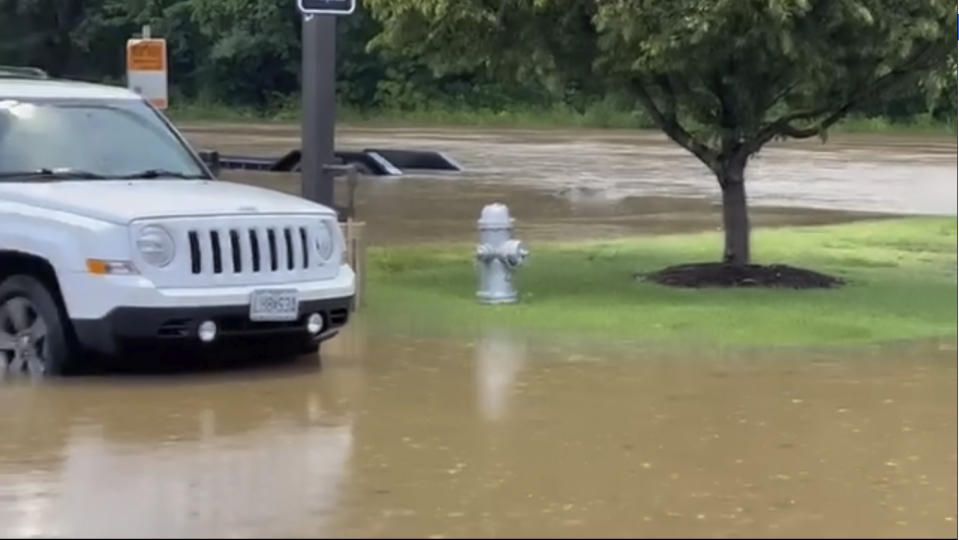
[{"x": 52, "y": 140}]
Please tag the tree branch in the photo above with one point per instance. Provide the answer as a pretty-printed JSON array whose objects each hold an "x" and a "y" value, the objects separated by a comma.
[
  {"x": 670, "y": 125},
  {"x": 784, "y": 125},
  {"x": 804, "y": 133},
  {"x": 727, "y": 116},
  {"x": 777, "y": 127},
  {"x": 782, "y": 94},
  {"x": 669, "y": 94}
]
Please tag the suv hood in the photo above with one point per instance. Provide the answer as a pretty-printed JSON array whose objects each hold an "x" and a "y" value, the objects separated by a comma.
[{"x": 122, "y": 201}]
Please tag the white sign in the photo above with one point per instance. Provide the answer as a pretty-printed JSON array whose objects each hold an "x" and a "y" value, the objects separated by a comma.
[
  {"x": 147, "y": 69},
  {"x": 326, "y": 7}
]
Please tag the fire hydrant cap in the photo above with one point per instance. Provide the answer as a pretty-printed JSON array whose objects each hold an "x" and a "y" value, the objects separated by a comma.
[{"x": 496, "y": 215}]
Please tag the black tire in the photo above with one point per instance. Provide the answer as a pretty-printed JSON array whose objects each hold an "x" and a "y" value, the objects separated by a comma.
[{"x": 54, "y": 348}]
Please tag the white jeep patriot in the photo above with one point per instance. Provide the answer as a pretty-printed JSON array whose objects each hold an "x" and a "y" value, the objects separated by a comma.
[{"x": 115, "y": 238}]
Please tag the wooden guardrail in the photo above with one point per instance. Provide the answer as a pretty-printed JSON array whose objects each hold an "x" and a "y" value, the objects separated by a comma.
[{"x": 356, "y": 256}]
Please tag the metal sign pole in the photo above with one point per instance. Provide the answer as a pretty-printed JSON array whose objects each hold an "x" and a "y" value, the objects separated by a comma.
[{"x": 318, "y": 118}]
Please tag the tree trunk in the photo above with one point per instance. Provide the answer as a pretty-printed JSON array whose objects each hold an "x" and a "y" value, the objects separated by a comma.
[{"x": 735, "y": 214}]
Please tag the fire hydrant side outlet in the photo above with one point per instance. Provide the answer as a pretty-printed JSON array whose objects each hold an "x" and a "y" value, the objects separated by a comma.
[{"x": 498, "y": 255}]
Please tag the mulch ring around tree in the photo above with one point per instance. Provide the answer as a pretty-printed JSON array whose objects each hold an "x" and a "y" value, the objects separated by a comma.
[{"x": 752, "y": 275}]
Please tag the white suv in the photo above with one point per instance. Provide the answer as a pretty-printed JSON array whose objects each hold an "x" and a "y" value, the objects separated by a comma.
[{"x": 115, "y": 238}]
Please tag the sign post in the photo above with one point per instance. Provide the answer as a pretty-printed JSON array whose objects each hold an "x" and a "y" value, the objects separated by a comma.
[
  {"x": 318, "y": 118},
  {"x": 147, "y": 68}
]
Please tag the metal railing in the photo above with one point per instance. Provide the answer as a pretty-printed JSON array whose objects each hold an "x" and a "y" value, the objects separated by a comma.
[
  {"x": 353, "y": 232},
  {"x": 345, "y": 208}
]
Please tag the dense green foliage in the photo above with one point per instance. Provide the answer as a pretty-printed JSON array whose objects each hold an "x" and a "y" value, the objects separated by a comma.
[
  {"x": 234, "y": 52},
  {"x": 215, "y": 46},
  {"x": 901, "y": 279}
]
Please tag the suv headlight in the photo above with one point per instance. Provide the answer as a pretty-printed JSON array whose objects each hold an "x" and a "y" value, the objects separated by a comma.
[
  {"x": 324, "y": 243},
  {"x": 156, "y": 245}
]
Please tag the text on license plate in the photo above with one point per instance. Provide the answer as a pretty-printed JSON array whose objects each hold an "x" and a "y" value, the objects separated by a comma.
[{"x": 274, "y": 305}]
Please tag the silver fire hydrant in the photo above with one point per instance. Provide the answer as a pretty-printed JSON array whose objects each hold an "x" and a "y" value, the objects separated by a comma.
[{"x": 498, "y": 255}]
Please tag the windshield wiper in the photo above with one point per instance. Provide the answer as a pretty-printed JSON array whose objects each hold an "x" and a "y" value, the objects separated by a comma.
[
  {"x": 158, "y": 173},
  {"x": 53, "y": 174}
]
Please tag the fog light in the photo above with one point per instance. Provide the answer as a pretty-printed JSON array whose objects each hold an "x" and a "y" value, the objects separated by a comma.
[
  {"x": 314, "y": 324},
  {"x": 207, "y": 331}
]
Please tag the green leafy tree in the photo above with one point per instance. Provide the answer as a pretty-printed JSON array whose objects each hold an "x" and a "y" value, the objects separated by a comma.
[
  {"x": 721, "y": 78},
  {"x": 254, "y": 48},
  {"x": 38, "y": 33}
]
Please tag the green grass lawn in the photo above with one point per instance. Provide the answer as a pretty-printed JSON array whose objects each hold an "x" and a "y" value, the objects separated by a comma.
[{"x": 901, "y": 285}]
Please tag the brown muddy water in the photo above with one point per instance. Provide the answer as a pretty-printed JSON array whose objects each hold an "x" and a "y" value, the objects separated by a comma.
[
  {"x": 564, "y": 184},
  {"x": 409, "y": 436},
  {"x": 502, "y": 436}
]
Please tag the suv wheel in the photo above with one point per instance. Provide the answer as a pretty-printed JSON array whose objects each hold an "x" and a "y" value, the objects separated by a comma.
[{"x": 33, "y": 338}]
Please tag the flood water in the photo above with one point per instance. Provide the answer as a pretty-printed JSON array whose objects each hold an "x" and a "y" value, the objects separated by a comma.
[
  {"x": 581, "y": 183},
  {"x": 414, "y": 435},
  {"x": 410, "y": 436}
]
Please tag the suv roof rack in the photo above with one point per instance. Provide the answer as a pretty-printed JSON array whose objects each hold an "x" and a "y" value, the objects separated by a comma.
[{"x": 21, "y": 72}]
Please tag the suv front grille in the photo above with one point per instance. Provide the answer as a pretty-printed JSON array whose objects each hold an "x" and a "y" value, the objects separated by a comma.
[
  {"x": 241, "y": 250},
  {"x": 255, "y": 250}
]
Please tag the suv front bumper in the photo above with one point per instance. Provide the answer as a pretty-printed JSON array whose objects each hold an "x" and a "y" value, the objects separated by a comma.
[
  {"x": 88, "y": 296},
  {"x": 165, "y": 329}
]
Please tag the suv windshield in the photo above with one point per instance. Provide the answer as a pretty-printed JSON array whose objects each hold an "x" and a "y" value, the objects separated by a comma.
[{"x": 55, "y": 140}]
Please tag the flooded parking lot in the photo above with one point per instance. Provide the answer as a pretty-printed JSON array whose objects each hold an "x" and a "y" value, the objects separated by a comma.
[
  {"x": 583, "y": 183},
  {"x": 497, "y": 436}
]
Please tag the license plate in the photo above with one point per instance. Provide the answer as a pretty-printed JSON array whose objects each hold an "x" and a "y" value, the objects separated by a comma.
[{"x": 274, "y": 305}]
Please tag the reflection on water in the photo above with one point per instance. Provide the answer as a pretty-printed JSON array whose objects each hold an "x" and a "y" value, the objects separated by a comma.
[
  {"x": 414, "y": 436},
  {"x": 223, "y": 454},
  {"x": 500, "y": 357},
  {"x": 213, "y": 487}
]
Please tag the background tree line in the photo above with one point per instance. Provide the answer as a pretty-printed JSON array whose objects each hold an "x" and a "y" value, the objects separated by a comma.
[{"x": 247, "y": 53}]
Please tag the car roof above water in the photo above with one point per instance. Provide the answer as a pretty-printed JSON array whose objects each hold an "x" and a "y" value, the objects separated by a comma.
[{"x": 36, "y": 88}]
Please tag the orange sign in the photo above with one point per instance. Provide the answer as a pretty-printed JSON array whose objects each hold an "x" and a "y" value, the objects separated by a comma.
[
  {"x": 146, "y": 55},
  {"x": 147, "y": 70}
]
